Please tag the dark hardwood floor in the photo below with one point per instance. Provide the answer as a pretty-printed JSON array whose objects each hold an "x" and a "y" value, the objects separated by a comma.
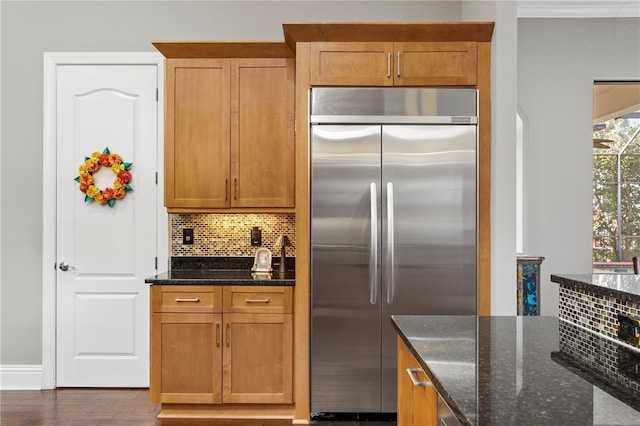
[{"x": 107, "y": 407}]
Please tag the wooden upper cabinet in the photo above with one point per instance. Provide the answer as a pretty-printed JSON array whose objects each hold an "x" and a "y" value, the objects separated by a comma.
[
  {"x": 262, "y": 136},
  {"x": 393, "y": 64},
  {"x": 197, "y": 133},
  {"x": 435, "y": 64},
  {"x": 351, "y": 64},
  {"x": 229, "y": 138}
]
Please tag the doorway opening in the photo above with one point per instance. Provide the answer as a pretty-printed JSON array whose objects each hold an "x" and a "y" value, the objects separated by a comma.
[{"x": 616, "y": 176}]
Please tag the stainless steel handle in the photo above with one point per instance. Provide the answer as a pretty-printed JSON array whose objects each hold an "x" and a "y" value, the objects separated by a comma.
[
  {"x": 388, "y": 65},
  {"x": 256, "y": 300},
  {"x": 228, "y": 335},
  {"x": 235, "y": 188},
  {"x": 373, "y": 255},
  {"x": 398, "y": 64},
  {"x": 412, "y": 372},
  {"x": 226, "y": 189},
  {"x": 194, "y": 300},
  {"x": 217, "y": 335},
  {"x": 391, "y": 288},
  {"x": 64, "y": 266}
]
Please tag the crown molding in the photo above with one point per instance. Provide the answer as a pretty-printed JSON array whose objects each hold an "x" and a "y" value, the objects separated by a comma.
[{"x": 578, "y": 8}]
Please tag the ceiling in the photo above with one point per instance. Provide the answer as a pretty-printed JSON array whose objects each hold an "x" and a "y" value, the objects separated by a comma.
[
  {"x": 612, "y": 100},
  {"x": 578, "y": 8}
]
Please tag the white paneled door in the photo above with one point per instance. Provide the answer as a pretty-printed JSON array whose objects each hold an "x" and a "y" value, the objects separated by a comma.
[{"x": 105, "y": 249}]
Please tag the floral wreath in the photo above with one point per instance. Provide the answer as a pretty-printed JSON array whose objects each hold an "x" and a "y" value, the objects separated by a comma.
[{"x": 120, "y": 184}]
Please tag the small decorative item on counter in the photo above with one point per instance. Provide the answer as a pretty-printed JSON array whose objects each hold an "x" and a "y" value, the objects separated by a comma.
[
  {"x": 282, "y": 243},
  {"x": 120, "y": 185},
  {"x": 261, "y": 275},
  {"x": 262, "y": 262}
]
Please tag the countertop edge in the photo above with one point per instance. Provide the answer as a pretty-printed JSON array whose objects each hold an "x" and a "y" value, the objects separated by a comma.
[{"x": 209, "y": 278}]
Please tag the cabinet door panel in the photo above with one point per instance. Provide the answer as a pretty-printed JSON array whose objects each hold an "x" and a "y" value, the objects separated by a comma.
[
  {"x": 417, "y": 405},
  {"x": 197, "y": 133},
  {"x": 405, "y": 387},
  {"x": 258, "y": 365},
  {"x": 351, "y": 64},
  {"x": 435, "y": 64},
  {"x": 186, "y": 358},
  {"x": 262, "y": 137}
]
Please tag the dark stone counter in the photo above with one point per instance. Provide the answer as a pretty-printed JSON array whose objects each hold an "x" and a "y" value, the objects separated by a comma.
[
  {"x": 221, "y": 277},
  {"x": 519, "y": 371},
  {"x": 219, "y": 271}
]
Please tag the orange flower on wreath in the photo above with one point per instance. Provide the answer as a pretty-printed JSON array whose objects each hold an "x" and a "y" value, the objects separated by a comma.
[{"x": 120, "y": 185}]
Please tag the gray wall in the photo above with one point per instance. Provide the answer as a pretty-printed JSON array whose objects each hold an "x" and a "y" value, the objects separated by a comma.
[
  {"x": 558, "y": 61},
  {"x": 30, "y": 28}
]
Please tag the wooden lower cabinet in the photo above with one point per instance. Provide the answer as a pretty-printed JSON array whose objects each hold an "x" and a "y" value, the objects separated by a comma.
[
  {"x": 257, "y": 366},
  {"x": 232, "y": 358},
  {"x": 417, "y": 402},
  {"x": 188, "y": 355}
]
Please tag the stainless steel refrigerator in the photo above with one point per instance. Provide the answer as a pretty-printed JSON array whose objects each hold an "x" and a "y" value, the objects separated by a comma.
[{"x": 393, "y": 231}]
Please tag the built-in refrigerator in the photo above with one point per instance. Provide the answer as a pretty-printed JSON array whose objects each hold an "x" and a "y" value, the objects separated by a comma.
[{"x": 393, "y": 231}]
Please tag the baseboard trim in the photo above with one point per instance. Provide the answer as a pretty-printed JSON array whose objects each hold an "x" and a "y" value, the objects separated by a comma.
[{"x": 20, "y": 377}]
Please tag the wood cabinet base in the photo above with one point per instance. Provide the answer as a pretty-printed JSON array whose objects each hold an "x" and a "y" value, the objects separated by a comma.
[{"x": 227, "y": 411}]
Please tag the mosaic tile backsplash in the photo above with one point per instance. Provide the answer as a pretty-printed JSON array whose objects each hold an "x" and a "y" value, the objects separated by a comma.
[
  {"x": 616, "y": 363},
  {"x": 229, "y": 234},
  {"x": 595, "y": 312}
]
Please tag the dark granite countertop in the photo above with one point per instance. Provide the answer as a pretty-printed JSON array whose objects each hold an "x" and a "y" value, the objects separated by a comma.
[
  {"x": 220, "y": 271},
  {"x": 221, "y": 277},
  {"x": 511, "y": 371},
  {"x": 623, "y": 286}
]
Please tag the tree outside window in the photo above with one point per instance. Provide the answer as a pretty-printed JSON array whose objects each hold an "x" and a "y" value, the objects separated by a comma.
[{"x": 616, "y": 193}]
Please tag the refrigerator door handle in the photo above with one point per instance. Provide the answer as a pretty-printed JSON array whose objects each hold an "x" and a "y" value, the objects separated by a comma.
[
  {"x": 373, "y": 256},
  {"x": 390, "y": 245}
]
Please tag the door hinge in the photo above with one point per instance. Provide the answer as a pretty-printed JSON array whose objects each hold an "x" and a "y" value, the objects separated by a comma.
[
  {"x": 156, "y": 178},
  {"x": 157, "y": 95},
  {"x": 156, "y": 263}
]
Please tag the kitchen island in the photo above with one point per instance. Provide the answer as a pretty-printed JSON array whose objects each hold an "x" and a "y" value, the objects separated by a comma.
[
  {"x": 520, "y": 371},
  {"x": 606, "y": 304}
]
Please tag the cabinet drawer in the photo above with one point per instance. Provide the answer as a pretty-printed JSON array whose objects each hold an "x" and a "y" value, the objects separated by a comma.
[
  {"x": 257, "y": 299},
  {"x": 192, "y": 299}
]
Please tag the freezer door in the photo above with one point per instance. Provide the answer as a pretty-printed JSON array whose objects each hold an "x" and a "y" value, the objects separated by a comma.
[
  {"x": 429, "y": 223},
  {"x": 345, "y": 290}
]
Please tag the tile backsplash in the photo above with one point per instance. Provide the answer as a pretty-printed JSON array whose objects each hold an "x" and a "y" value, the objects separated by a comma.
[
  {"x": 595, "y": 312},
  {"x": 223, "y": 234}
]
